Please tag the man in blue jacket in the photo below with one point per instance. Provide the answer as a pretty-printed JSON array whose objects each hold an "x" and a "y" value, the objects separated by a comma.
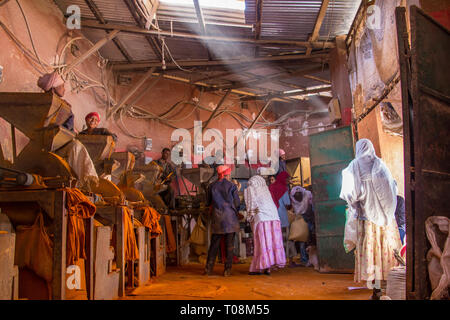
[{"x": 224, "y": 199}]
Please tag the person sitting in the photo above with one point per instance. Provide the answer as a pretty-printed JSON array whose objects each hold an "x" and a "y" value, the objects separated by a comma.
[{"x": 92, "y": 121}]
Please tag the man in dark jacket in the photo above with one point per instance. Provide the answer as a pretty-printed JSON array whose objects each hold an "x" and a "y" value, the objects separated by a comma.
[{"x": 224, "y": 198}]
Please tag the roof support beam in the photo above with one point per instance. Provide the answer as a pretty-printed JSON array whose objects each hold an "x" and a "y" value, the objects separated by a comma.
[
  {"x": 201, "y": 21},
  {"x": 96, "y": 12},
  {"x": 258, "y": 23},
  {"x": 133, "y": 90},
  {"x": 273, "y": 77},
  {"x": 152, "y": 42},
  {"x": 190, "y": 63},
  {"x": 91, "y": 50},
  {"x": 216, "y": 109},
  {"x": 318, "y": 24},
  {"x": 289, "y": 94},
  {"x": 132, "y": 29}
]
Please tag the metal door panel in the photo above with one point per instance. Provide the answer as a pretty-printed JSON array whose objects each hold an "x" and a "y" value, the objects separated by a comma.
[
  {"x": 425, "y": 74},
  {"x": 330, "y": 152}
]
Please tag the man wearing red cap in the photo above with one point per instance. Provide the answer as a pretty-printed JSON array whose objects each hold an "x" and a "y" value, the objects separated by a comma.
[
  {"x": 92, "y": 121},
  {"x": 223, "y": 197}
]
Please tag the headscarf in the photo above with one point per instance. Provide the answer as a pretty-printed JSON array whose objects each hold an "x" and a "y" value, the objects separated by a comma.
[
  {"x": 368, "y": 186},
  {"x": 281, "y": 152},
  {"x": 279, "y": 187},
  {"x": 92, "y": 114},
  {"x": 300, "y": 207},
  {"x": 223, "y": 171},
  {"x": 259, "y": 204}
]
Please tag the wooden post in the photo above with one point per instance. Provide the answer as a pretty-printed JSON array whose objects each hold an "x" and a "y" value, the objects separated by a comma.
[
  {"x": 133, "y": 90},
  {"x": 89, "y": 265},
  {"x": 120, "y": 254},
  {"x": 59, "y": 247},
  {"x": 88, "y": 53}
]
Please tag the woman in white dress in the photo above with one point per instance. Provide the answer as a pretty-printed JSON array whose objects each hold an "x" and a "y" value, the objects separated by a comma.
[
  {"x": 371, "y": 195},
  {"x": 267, "y": 237}
]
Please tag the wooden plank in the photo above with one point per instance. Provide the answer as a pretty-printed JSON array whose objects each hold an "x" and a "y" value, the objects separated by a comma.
[
  {"x": 133, "y": 90},
  {"x": 137, "y": 30},
  {"x": 96, "y": 12},
  {"x": 118, "y": 66},
  {"x": 59, "y": 247},
  {"x": 318, "y": 24},
  {"x": 222, "y": 100},
  {"x": 120, "y": 248},
  {"x": 290, "y": 94},
  {"x": 92, "y": 50},
  {"x": 106, "y": 281},
  {"x": 89, "y": 265},
  {"x": 201, "y": 20}
]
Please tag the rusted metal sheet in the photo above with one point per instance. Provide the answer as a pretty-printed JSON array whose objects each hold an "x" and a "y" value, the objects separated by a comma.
[
  {"x": 330, "y": 152},
  {"x": 426, "y": 98}
]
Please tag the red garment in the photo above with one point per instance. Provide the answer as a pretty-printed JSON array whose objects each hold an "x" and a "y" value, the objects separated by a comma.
[
  {"x": 279, "y": 187},
  {"x": 92, "y": 114}
]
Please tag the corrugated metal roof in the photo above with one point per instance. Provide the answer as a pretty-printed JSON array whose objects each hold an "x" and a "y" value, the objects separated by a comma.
[
  {"x": 295, "y": 19},
  {"x": 281, "y": 20},
  {"x": 109, "y": 50}
]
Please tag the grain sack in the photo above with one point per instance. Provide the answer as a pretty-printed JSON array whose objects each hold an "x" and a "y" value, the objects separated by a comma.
[
  {"x": 34, "y": 249},
  {"x": 438, "y": 256}
]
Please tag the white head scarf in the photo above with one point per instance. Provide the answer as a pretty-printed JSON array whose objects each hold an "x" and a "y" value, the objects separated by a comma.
[
  {"x": 300, "y": 207},
  {"x": 368, "y": 186},
  {"x": 258, "y": 201}
]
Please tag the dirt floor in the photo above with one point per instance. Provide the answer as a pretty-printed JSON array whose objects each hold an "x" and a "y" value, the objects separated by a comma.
[{"x": 187, "y": 282}]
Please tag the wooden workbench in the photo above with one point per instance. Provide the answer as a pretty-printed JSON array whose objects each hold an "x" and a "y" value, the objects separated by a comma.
[{"x": 52, "y": 201}]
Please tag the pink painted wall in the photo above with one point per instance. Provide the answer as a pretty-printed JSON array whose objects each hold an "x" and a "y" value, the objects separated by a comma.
[{"x": 50, "y": 35}]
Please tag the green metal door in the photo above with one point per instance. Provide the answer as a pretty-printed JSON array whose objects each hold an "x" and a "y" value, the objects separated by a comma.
[{"x": 330, "y": 152}]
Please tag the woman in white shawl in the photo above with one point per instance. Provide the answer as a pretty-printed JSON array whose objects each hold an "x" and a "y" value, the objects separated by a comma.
[
  {"x": 371, "y": 228},
  {"x": 263, "y": 216}
]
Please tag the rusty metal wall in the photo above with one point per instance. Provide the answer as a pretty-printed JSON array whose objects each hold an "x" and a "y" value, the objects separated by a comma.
[
  {"x": 426, "y": 112},
  {"x": 330, "y": 152}
]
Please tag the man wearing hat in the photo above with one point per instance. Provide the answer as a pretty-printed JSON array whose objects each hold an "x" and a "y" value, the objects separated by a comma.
[
  {"x": 92, "y": 121},
  {"x": 281, "y": 162},
  {"x": 223, "y": 197}
]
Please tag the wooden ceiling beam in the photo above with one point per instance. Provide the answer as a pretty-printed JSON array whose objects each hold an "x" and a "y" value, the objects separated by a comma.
[
  {"x": 140, "y": 30},
  {"x": 289, "y": 94},
  {"x": 318, "y": 23},
  {"x": 192, "y": 63},
  {"x": 139, "y": 20},
  {"x": 96, "y": 12}
]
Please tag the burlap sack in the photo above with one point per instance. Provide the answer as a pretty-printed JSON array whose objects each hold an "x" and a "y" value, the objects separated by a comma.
[
  {"x": 438, "y": 256},
  {"x": 298, "y": 230},
  {"x": 34, "y": 249},
  {"x": 198, "y": 235}
]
